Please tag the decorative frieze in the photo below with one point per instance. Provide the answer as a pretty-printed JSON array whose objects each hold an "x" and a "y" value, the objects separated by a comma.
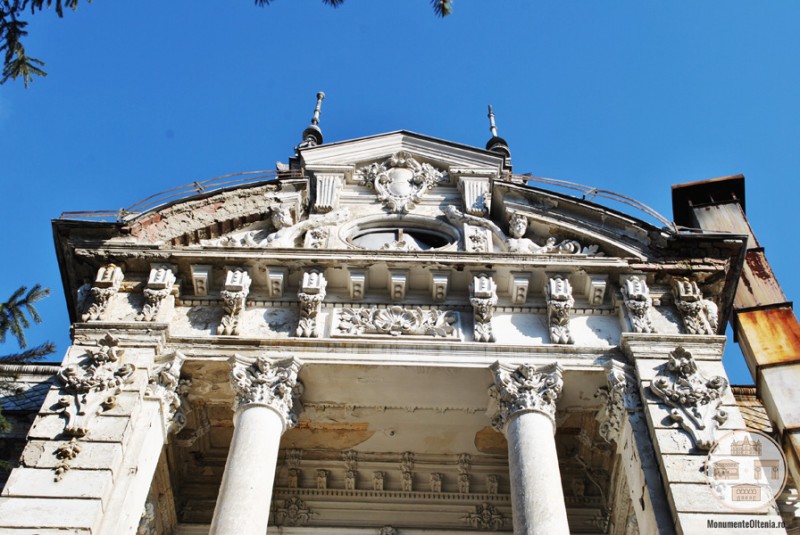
[
  {"x": 292, "y": 512},
  {"x": 201, "y": 279},
  {"x": 558, "y": 293},
  {"x": 269, "y": 383},
  {"x": 159, "y": 286},
  {"x": 619, "y": 397},
  {"x": 524, "y": 389},
  {"x": 485, "y": 517},
  {"x": 167, "y": 386},
  {"x": 699, "y": 315},
  {"x": 694, "y": 399},
  {"x": 328, "y": 188},
  {"x": 483, "y": 299},
  {"x": 396, "y": 321},
  {"x": 234, "y": 295},
  {"x": 400, "y": 181},
  {"x": 310, "y": 296},
  {"x": 477, "y": 195},
  {"x": 106, "y": 285},
  {"x": 93, "y": 384},
  {"x": 638, "y": 302}
]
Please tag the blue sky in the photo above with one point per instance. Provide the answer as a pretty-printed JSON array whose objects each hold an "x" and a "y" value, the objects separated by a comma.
[{"x": 631, "y": 96}]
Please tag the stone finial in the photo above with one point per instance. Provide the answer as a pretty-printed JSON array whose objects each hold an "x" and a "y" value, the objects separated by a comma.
[
  {"x": 694, "y": 400},
  {"x": 637, "y": 299},
  {"x": 234, "y": 295},
  {"x": 483, "y": 299},
  {"x": 312, "y": 135},
  {"x": 699, "y": 315},
  {"x": 558, "y": 293},
  {"x": 310, "y": 296},
  {"x": 496, "y": 143},
  {"x": 524, "y": 389},
  {"x": 270, "y": 383},
  {"x": 106, "y": 285}
]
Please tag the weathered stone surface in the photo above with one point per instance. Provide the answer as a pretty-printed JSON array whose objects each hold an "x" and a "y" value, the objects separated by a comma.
[
  {"x": 103, "y": 429},
  {"x": 50, "y": 513},
  {"x": 38, "y": 483},
  {"x": 93, "y": 455}
]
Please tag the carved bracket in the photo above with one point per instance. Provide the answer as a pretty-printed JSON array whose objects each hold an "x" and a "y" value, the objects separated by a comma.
[
  {"x": 637, "y": 299},
  {"x": 699, "y": 315},
  {"x": 483, "y": 301},
  {"x": 619, "y": 397},
  {"x": 477, "y": 194},
  {"x": 695, "y": 400},
  {"x": 558, "y": 293},
  {"x": 93, "y": 384},
  {"x": 237, "y": 286},
  {"x": 524, "y": 389},
  {"x": 400, "y": 181},
  {"x": 311, "y": 295},
  {"x": 166, "y": 385},
  {"x": 268, "y": 383},
  {"x": 106, "y": 285},
  {"x": 159, "y": 286}
]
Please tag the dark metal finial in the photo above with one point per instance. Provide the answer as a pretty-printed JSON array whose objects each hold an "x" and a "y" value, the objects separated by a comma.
[
  {"x": 492, "y": 126},
  {"x": 315, "y": 118}
]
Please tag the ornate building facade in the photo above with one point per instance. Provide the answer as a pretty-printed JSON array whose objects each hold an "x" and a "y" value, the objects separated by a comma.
[{"x": 392, "y": 335}]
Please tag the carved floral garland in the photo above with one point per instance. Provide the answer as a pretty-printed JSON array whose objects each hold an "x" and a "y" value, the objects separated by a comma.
[{"x": 397, "y": 321}]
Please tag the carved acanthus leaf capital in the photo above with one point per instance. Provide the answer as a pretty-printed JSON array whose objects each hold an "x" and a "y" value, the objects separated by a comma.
[
  {"x": 694, "y": 399},
  {"x": 270, "y": 383},
  {"x": 524, "y": 389}
]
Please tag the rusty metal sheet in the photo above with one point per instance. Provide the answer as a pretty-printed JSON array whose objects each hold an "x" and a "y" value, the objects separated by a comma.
[
  {"x": 757, "y": 285},
  {"x": 768, "y": 337},
  {"x": 726, "y": 218}
]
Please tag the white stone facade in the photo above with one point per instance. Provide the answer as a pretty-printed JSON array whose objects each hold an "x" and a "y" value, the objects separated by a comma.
[{"x": 397, "y": 338}]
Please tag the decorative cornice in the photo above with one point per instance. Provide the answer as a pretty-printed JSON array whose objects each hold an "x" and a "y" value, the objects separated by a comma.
[
  {"x": 269, "y": 383},
  {"x": 695, "y": 400},
  {"x": 524, "y": 389}
]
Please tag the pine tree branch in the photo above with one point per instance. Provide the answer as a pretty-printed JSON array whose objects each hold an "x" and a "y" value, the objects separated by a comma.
[{"x": 29, "y": 355}]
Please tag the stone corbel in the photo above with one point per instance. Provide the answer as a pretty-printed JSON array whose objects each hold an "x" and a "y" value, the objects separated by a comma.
[
  {"x": 106, "y": 285},
  {"x": 475, "y": 190},
  {"x": 440, "y": 281},
  {"x": 357, "y": 284},
  {"x": 619, "y": 398},
  {"x": 167, "y": 386},
  {"x": 524, "y": 389},
  {"x": 93, "y": 384},
  {"x": 276, "y": 281},
  {"x": 694, "y": 400},
  {"x": 237, "y": 286},
  {"x": 310, "y": 296},
  {"x": 328, "y": 188},
  {"x": 398, "y": 282},
  {"x": 595, "y": 289},
  {"x": 638, "y": 302},
  {"x": 558, "y": 293},
  {"x": 159, "y": 286},
  {"x": 483, "y": 298},
  {"x": 269, "y": 383},
  {"x": 519, "y": 284},
  {"x": 201, "y": 279},
  {"x": 699, "y": 315}
]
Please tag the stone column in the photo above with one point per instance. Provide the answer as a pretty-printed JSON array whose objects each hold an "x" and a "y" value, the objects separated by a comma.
[
  {"x": 523, "y": 406},
  {"x": 266, "y": 405}
]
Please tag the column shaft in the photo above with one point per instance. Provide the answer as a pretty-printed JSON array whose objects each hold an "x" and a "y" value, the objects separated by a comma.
[
  {"x": 245, "y": 495},
  {"x": 536, "y": 492}
]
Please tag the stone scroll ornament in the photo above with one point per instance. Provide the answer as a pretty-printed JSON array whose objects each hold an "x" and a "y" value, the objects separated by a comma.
[
  {"x": 524, "y": 389},
  {"x": 106, "y": 285},
  {"x": 269, "y": 383},
  {"x": 619, "y": 397},
  {"x": 159, "y": 286},
  {"x": 483, "y": 301},
  {"x": 694, "y": 400},
  {"x": 310, "y": 296},
  {"x": 93, "y": 384},
  {"x": 397, "y": 321},
  {"x": 637, "y": 299},
  {"x": 167, "y": 386},
  {"x": 400, "y": 182},
  {"x": 234, "y": 296},
  {"x": 558, "y": 293},
  {"x": 699, "y": 315}
]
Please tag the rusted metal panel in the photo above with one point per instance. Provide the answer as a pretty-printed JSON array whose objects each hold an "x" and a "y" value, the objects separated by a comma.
[
  {"x": 757, "y": 286},
  {"x": 768, "y": 337},
  {"x": 727, "y": 217}
]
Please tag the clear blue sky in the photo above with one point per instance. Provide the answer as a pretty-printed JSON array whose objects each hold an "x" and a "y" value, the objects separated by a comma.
[{"x": 631, "y": 96}]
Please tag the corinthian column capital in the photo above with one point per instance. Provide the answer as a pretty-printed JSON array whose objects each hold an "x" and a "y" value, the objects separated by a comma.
[
  {"x": 270, "y": 384},
  {"x": 523, "y": 389}
]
